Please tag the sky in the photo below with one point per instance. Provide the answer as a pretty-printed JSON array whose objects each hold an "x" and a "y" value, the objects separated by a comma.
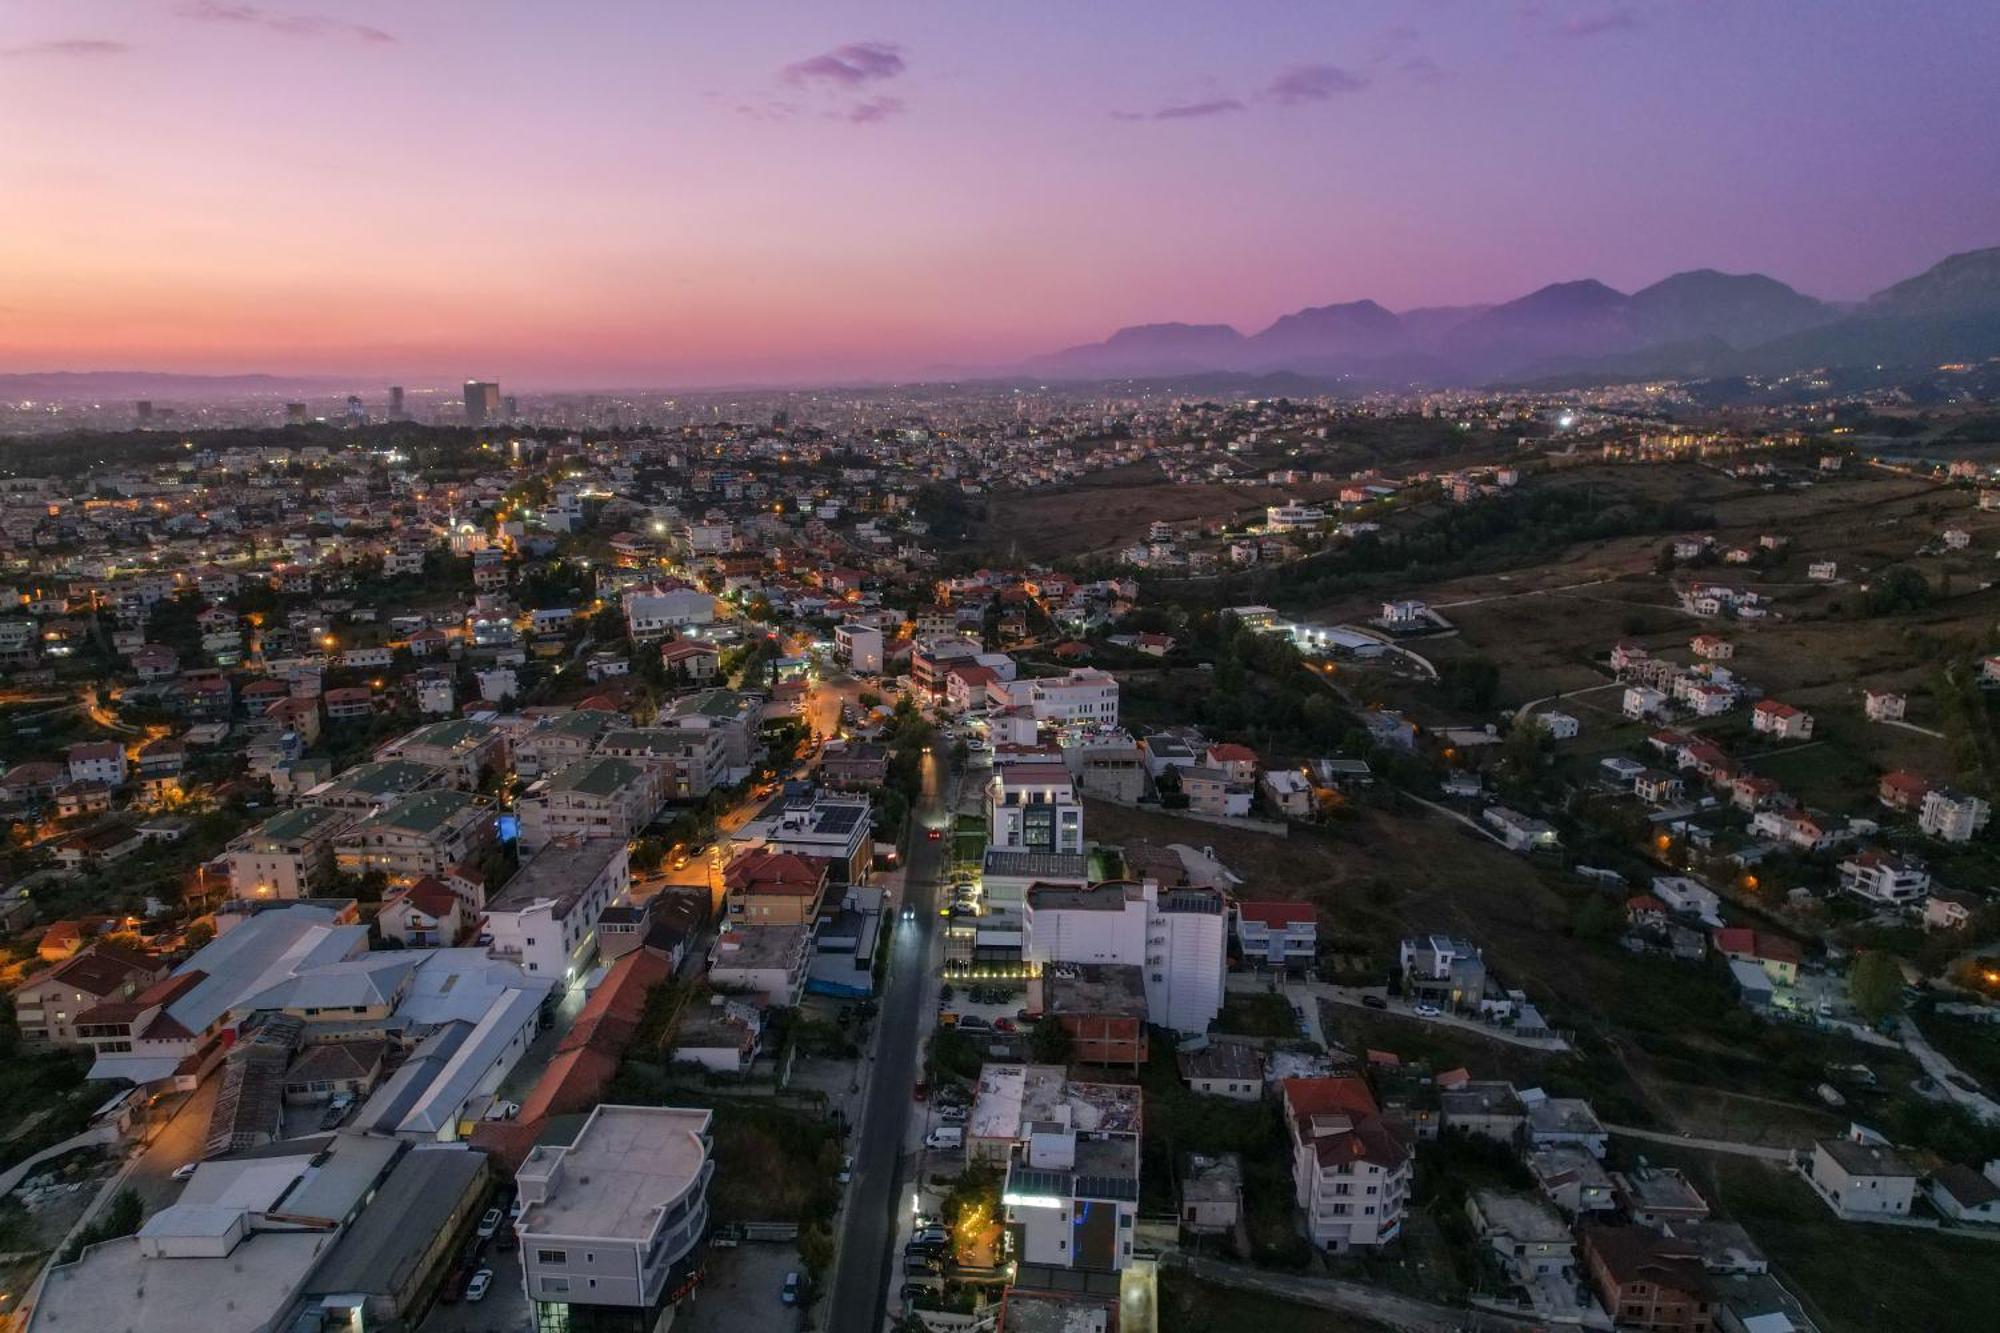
[{"x": 665, "y": 193}]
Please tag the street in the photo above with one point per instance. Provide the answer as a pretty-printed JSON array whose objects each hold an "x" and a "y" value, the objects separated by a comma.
[{"x": 855, "y": 1300}]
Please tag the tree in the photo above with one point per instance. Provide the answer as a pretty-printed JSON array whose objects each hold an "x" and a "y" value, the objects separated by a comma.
[
  {"x": 1049, "y": 1042},
  {"x": 815, "y": 1247},
  {"x": 1875, "y": 984},
  {"x": 647, "y": 854}
]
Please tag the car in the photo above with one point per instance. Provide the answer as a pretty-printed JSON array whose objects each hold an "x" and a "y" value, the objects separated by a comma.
[
  {"x": 974, "y": 1023},
  {"x": 489, "y": 1224},
  {"x": 909, "y": 912},
  {"x": 502, "y": 1110},
  {"x": 952, "y": 1115},
  {"x": 476, "y": 1289},
  {"x": 792, "y": 1289},
  {"x": 1373, "y": 1002},
  {"x": 1003, "y": 1025},
  {"x": 516, "y": 1208},
  {"x": 931, "y": 1235},
  {"x": 1426, "y": 1011},
  {"x": 935, "y": 835},
  {"x": 184, "y": 1170},
  {"x": 846, "y": 1169},
  {"x": 921, "y": 1092},
  {"x": 916, "y": 1290}
]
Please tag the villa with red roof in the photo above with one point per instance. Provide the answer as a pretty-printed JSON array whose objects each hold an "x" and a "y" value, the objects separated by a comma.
[
  {"x": 1277, "y": 934},
  {"x": 775, "y": 888}
]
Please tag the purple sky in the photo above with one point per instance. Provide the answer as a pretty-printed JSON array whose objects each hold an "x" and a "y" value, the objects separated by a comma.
[{"x": 643, "y": 193}]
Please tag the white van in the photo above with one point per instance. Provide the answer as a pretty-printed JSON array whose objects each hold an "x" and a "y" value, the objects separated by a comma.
[{"x": 949, "y": 1137}]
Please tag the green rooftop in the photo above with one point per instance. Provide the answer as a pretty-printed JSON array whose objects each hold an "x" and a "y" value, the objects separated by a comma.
[
  {"x": 582, "y": 722},
  {"x": 296, "y": 825},
  {"x": 426, "y": 812},
  {"x": 451, "y": 735},
  {"x": 386, "y": 776},
  {"x": 597, "y": 777},
  {"x": 709, "y": 703}
]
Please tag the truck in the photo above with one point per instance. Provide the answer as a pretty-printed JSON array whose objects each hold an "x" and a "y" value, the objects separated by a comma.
[{"x": 947, "y": 1137}]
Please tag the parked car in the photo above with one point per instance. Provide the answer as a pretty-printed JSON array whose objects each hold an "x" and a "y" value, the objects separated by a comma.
[
  {"x": 794, "y": 1285},
  {"x": 935, "y": 835},
  {"x": 1003, "y": 1025},
  {"x": 846, "y": 1168},
  {"x": 952, "y": 1115},
  {"x": 933, "y": 1235},
  {"x": 489, "y": 1224},
  {"x": 1426, "y": 1010},
  {"x": 1374, "y": 1002},
  {"x": 974, "y": 1023},
  {"x": 914, "y": 1290},
  {"x": 184, "y": 1170},
  {"x": 476, "y": 1289},
  {"x": 921, "y": 1092}
]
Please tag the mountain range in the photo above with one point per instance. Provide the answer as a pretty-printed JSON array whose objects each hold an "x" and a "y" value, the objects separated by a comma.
[{"x": 1702, "y": 322}]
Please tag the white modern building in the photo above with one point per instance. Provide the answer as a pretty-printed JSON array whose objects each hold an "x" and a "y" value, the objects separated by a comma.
[
  {"x": 1033, "y": 808},
  {"x": 1952, "y": 816},
  {"x": 611, "y": 1223},
  {"x": 650, "y": 612},
  {"x": 1178, "y": 938},
  {"x": 1084, "y": 697},
  {"x": 860, "y": 647}
]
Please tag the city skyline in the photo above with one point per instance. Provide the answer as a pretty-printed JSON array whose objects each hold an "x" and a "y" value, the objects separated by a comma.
[{"x": 664, "y": 198}]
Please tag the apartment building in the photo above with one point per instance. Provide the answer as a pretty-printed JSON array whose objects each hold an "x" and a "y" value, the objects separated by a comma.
[
  {"x": 1351, "y": 1172},
  {"x": 836, "y": 827},
  {"x": 1177, "y": 937},
  {"x": 1270, "y": 934},
  {"x": 1071, "y": 1150},
  {"x": 686, "y": 763},
  {"x": 465, "y": 749},
  {"x": 47, "y": 1005},
  {"x": 545, "y": 917},
  {"x": 419, "y": 835},
  {"x": 1084, "y": 697},
  {"x": 775, "y": 888},
  {"x": 1033, "y": 807},
  {"x": 289, "y": 855},
  {"x": 598, "y": 797},
  {"x": 612, "y": 1222}
]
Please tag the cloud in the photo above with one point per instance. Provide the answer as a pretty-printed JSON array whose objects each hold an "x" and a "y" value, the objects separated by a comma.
[
  {"x": 292, "y": 25},
  {"x": 1600, "y": 24},
  {"x": 873, "y": 110},
  {"x": 1423, "y": 69},
  {"x": 849, "y": 66},
  {"x": 72, "y": 48},
  {"x": 1313, "y": 83},
  {"x": 1220, "y": 106}
]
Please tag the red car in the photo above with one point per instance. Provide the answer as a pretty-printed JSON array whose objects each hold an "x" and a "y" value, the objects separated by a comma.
[
  {"x": 1003, "y": 1025},
  {"x": 922, "y": 1092},
  {"x": 935, "y": 835}
]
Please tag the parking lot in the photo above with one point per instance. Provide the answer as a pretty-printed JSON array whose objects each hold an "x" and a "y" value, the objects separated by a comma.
[{"x": 740, "y": 1292}]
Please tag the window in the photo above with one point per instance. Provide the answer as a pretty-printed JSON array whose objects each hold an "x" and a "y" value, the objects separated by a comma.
[
  {"x": 551, "y": 1256},
  {"x": 554, "y": 1285}
]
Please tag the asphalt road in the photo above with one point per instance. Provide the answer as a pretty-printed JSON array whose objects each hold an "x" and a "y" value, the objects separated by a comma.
[{"x": 857, "y": 1302}]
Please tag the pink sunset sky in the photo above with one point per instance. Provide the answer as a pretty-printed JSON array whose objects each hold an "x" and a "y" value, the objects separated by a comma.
[{"x": 630, "y": 192}]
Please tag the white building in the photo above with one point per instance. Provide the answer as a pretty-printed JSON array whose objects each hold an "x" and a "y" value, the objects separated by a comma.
[
  {"x": 1350, "y": 1172},
  {"x": 1781, "y": 721},
  {"x": 1952, "y": 816},
  {"x": 1519, "y": 832},
  {"x": 1179, "y": 938},
  {"x": 1861, "y": 1177},
  {"x": 1558, "y": 726},
  {"x": 1689, "y": 897},
  {"x": 1883, "y": 706},
  {"x": 1084, "y": 697},
  {"x": 1072, "y": 1155},
  {"x": 611, "y": 1224},
  {"x": 1033, "y": 808},
  {"x": 545, "y": 917},
  {"x": 1889, "y": 880},
  {"x": 649, "y": 613},
  {"x": 1291, "y": 517},
  {"x": 860, "y": 647},
  {"x": 1642, "y": 701}
]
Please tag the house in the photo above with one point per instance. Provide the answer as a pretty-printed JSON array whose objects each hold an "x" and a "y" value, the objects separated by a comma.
[
  {"x": 97, "y": 761},
  {"x": 1442, "y": 969},
  {"x": 1563, "y": 1122},
  {"x": 1952, "y": 816},
  {"x": 723, "y": 1036},
  {"x": 1484, "y": 1109},
  {"x": 768, "y": 962},
  {"x": 1659, "y": 788},
  {"x": 1964, "y": 1195},
  {"x": 1288, "y": 792},
  {"x": 1557, "y": 726},
  {"x": 1642, "y": 701},
  {"x": 1902, "y": 790},
  {"x": 330, "y": 1069},
  {"x": 1880, "y": 877},
  {"x": 1777, "y": 955},
  {"x": 775, "y": 888},
  {"x": 1211, "y": 791},
  {"x": 594, "y": 797},
  {"x": 47, "y": 1005},
  {"x": 1102, "y": 1006},
  {"x": 1658, "y": 1196},
  {"x": 1712, "y": 647},
  {"x": 1823, "y": 571},
  {"x": 1781, "y": 721},
  {"x": 425, "y": 914},
  {"x": 1351, "y": 1171},
  {"x": 1519, "y": 832},
  {"x": 1211, "y": 1194},
  {"x": 1224, "y": 1069},
  {"x": 1861, "y": 1177},
  {"x": 1274, "y": 934},
  {"x": 1883, "y": 705},
  {"x": 1625, "y": 656},
  {"x": 1572, "y": 1180},
  {"x": 1649, "y": 1281},
  {"x": 1529, "y": 1240},
  {"x": 1949, "y": 909},
  {"x": 1688, "y": 897}
]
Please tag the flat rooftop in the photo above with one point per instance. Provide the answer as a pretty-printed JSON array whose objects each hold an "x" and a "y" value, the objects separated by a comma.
[
  {"x": 1010, "y": 1097},
  {"x": 1521, "y": 1217},
  {"x": 1115, "y": 990},
  {"x": 558, "y": 873},
  {"x": 627, "y": 1163}
]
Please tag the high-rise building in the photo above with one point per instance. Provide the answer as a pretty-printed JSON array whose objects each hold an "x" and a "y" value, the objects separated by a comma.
[
  {"x": 357, "y": 412},
  {"x": 144, "y": 410},
  {"x": 296, "y": 414},
  {"x": 510, "y": 407},
  {"x": 482, "y": 402},
  {"x": 395, "y": 402}
]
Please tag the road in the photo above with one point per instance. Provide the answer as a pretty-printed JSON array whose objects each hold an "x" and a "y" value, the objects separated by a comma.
[
  {"x": 1783, "y": 1156},
  {"x": 1950, "y": 1080},
  {"x": 1377, "y": 1303},
  {"x": 1395, "y": 1006},
  {"x": 857, "y": 1297}
]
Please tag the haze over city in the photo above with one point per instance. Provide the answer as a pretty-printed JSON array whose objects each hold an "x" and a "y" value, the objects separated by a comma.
[{"x": 660, "y": 196}]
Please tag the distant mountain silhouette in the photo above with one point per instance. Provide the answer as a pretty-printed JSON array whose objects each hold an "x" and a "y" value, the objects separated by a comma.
[
  {"x": 115, "y": 384},
  {"x": 1699, "y": 323}
]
